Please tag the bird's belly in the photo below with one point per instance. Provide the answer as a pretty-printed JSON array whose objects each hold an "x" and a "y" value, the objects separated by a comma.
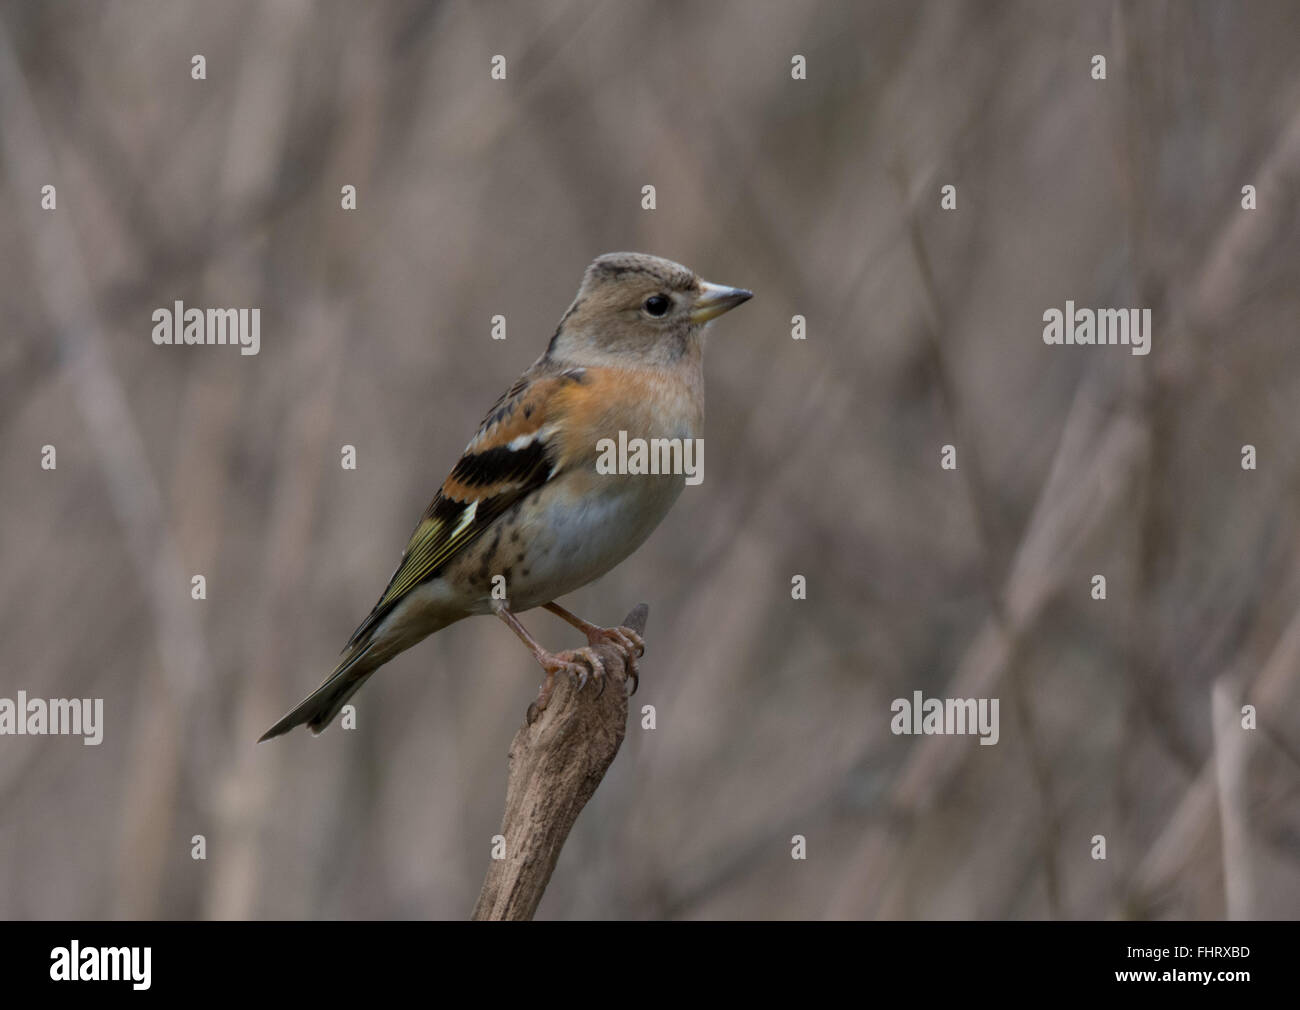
[{"x": 560, "y": 542}]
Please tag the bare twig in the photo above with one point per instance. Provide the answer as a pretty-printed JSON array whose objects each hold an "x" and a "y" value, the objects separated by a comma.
[
  {"x": 1231, "y": 759},
  {"x": 1188, "y": 840},
  {"x": 556, "y": 763},
  {"x": 68, "y": 299}
]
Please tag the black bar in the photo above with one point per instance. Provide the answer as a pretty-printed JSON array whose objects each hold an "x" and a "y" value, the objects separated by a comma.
[{"x": 310, "y": 960}]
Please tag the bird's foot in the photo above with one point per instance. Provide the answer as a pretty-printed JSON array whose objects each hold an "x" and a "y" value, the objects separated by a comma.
[
  {"x": 580, "y": 664},
  {"x": 628, "y": 642}
]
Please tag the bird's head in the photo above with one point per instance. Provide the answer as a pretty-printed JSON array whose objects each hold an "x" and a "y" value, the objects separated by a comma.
[{"x": 636, "y": 308}]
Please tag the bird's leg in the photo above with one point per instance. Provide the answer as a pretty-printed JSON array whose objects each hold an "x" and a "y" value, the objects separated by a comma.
[
  {"x": 577, "y": 662},
  {"x": 627, "y": 641}
]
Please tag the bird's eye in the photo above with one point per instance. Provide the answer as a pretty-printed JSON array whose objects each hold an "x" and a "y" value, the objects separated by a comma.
[{"x": 657, "y": 305}]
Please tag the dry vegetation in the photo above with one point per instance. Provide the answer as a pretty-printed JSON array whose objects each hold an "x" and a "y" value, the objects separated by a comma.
[{"x": 477, "y": 198}]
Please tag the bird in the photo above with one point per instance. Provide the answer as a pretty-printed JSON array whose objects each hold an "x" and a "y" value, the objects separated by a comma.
[{"x": 527, "y": 501}]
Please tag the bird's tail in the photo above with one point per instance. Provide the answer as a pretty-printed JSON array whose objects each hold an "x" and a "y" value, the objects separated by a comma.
[{"x": 320, "y": 707}]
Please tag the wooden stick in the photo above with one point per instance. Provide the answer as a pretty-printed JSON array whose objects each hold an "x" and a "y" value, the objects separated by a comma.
[{"x": 556, "y": 763}]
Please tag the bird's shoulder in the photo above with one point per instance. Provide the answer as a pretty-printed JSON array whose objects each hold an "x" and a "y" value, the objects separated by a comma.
[
  {"x": 517, "y": 430},
  {"x": 517, "y": 449}
]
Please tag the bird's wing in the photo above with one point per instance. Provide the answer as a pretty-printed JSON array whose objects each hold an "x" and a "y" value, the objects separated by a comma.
[{"x": 515, "y": 451}]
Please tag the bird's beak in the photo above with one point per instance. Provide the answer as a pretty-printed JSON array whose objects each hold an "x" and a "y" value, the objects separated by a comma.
[{"x": 716, "y": 299}]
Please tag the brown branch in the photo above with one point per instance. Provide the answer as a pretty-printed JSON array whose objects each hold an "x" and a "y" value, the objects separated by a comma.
[{"x": 556, "y": 763}]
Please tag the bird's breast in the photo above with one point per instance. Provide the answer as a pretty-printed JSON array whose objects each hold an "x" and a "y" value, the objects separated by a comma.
[
  {"x": 627, "y": 406},
  {"x": 570, "y": 539},
  {"x": 628, "y": 444}
]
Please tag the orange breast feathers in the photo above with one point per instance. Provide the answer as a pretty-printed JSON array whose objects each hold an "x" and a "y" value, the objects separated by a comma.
[{"x": 645, "y": 404}]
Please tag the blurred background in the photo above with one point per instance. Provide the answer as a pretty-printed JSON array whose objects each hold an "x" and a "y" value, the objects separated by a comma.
[{"x": 479, "y": 197}]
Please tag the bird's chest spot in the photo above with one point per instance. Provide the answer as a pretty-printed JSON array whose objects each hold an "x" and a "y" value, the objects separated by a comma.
[{"x": 575, "y": 539}]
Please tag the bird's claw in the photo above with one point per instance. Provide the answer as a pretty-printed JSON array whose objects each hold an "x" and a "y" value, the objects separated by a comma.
[
  {"x": 580, "y": 664},
  {"x": 585, "y": 663},
  {"x": 627, "y": 641}
]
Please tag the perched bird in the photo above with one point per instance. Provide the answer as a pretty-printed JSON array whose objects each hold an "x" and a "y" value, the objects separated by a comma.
[{"x": 527, "y": 500}]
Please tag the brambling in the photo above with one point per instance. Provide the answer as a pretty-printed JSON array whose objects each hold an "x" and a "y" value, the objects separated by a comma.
[{"x": 527, "y": 501}]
